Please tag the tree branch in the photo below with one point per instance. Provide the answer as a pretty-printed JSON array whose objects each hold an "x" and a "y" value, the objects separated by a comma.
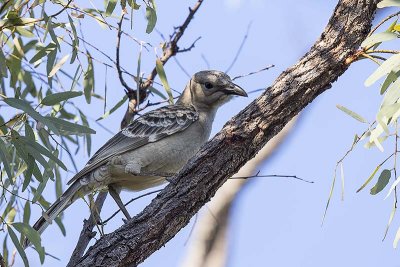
[{"x": 239, "y": 141}]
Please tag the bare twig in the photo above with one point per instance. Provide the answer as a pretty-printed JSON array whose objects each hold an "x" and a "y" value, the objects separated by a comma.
[
  {"x": 254, "y": 72},
  {"x": 272, "y": 175},
  {"x": 383, "y": 21},
  {"x": 129, "y": 202},
  {"x": 87, "y": 232},
  {"x": 240, "y": 48}
]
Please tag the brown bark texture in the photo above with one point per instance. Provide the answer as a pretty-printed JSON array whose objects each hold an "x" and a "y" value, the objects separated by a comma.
[{"x": 239, "y": 141}]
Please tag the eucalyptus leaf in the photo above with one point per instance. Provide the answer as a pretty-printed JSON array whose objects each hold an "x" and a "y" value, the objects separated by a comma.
[
  {"x": 369, "y": 178},
  {"x": 378, "y": 38},
  {"x": 58, "y": 65},
  {"x": 383, "y": 180},
  {"x": 117, "y": 106},
  {"x": 151, "y": 17},
  {"x": 384, "y": 69},
  {"x": 386, "y": 3},
  {"x": 351, "y": 113},
  {"x": 164, "y": 81},
  {"x": 88, "y": 79},
  {"x": 56, "y": 98},
  {"x": 18, "y": 246}
]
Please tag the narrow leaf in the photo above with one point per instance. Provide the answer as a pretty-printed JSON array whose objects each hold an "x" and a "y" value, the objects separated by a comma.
[
  {"x": 151, "y": 17},
  {"x": 351, "y": 113},
  {"x": 378, "y": 38},
  {"x": 383, "y": 180},
  {"x": 58, "y": 65},
  {"x": 117, "y": 106},
  {"x": 110, "y": 7},
  {"x": 164, "y": 81},
  {"x": 56, "y": 98},
  {"x": 386, "y": 3},
  {"x": 18, "y": 246},
  {"x": 88, "y": 80},
  {"x": 369, "y": 178},
  {"x": 384, "y": 69}
]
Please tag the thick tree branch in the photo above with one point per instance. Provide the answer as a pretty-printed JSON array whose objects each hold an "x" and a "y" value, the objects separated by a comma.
[{"x": 240, "y": 139}]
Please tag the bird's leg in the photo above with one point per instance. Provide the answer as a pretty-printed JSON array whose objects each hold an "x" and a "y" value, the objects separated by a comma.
[{"x": 118, "y": 200}]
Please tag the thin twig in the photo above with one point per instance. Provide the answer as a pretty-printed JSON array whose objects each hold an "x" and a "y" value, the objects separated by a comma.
[
  {"x": 87, "y": 232},
  {"x": 240, "y": 48},
  {"x": 129, "y": 202},
  {"x": 272, "y": 175},
  {"x": 380, "y": 23},
  {"x": 254, "y": 72}
]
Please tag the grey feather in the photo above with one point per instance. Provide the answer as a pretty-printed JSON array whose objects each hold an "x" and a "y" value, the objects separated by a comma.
[{"x": 151, "y": 127}]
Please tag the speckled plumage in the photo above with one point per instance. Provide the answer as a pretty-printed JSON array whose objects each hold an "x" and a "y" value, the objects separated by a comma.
[{"x": 161, "y": 141}]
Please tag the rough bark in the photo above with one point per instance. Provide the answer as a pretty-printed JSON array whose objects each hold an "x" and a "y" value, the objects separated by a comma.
[{"x": 239, "y": 141}]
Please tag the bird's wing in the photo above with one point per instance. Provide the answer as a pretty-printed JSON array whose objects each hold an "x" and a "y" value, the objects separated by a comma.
[{"x": 149, "y": 128}]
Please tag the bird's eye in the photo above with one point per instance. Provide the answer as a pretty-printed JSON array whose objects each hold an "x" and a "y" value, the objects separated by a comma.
[{"x": 208, "y": 85}]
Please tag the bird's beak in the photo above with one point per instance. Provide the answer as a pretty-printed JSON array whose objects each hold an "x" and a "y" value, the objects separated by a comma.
[{"x": 234, "y": 89}]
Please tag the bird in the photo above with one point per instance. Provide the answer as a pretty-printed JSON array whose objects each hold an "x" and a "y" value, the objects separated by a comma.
[{"x": 153, "y": 147}]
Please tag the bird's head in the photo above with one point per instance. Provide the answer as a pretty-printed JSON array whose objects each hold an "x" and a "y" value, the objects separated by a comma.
[{"x": 209, "y": 89}]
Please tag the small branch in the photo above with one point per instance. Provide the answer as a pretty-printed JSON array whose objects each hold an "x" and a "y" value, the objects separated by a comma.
[
  {"x": 87, "y": 232},
  {"x": 129, "y": 202},
  {"x": 272, "y": 175},
  {"x": 121, "y": 78},
  {"x": 240, "y": 48},
  {"x": 380, "y": 23},
  {"x": 190, "y": 47},
  {"x": 254, "y": 72}
]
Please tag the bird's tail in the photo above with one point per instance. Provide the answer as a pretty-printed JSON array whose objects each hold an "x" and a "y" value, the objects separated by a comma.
[{"x": 66, "y": 199}]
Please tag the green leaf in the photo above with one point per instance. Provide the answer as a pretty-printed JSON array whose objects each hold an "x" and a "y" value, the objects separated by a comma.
[
  {"x": 4, "y": 159},
  {"x": 384, "y": 69},
  {"x": 58, "y": 65},
  {"x": 110, "y": 7},
  {"x": 18, "y": 246},
  {"x": 3, "y": 66},
  {"x": 67, "y": 127},
  {"x": 164, "y": 81},
  {"x": 27, "y": 212},
  {"x": 60, "y": 225},
  {"x": 26, "y": 107},
  {"x": 383, "y": 180},
  {"x": 386, "y": 3},
  {"x": 32, "y": 235},
  {"x": 369, "y": 178},
  {"x": 151, "y": 17},
  {"x": 117, "y": 106},
  {"x": 392, "y": 94},
  {"x": 352, "y": 114},
  {"x": 378, "y": 38},
  {"x": 42, "y": 150},
  {"x": 75, "y": 41},
  {"x": 157, "y": 92},
  {"x": 396, "y": 238},
  {"x": 392, "y": 76},
  {"x": 88, "y": 80},
  {"x": 43, "y": 52},
  {"x": 56, "y": 98}
]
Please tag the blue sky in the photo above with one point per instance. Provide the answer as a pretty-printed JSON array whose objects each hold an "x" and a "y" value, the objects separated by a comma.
[{"x": 275, "y": 221}]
